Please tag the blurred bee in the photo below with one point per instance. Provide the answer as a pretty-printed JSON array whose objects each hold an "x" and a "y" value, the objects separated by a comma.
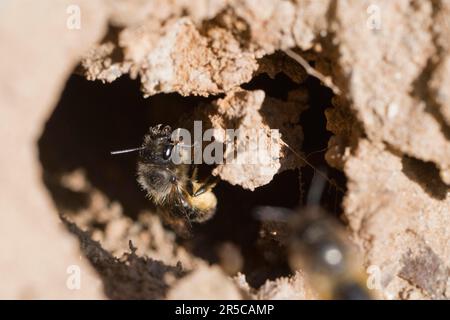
[
  {"x": 319, "y": 245},
  {"x": 173, "y": 187}
]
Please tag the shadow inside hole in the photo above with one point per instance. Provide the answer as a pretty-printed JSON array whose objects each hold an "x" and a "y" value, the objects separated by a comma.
[
  {"x": 91, "y": 120},
  {"x": 426, "y": 175},
  {"x": 422, "y": 92},
  {"x": 233, "y": 221}
]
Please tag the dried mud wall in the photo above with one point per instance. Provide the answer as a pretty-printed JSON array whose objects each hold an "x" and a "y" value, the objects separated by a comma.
[{"x": 390, "y": 120}]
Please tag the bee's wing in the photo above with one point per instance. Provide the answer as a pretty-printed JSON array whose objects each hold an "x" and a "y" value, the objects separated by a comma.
[{"x": 269, "y": 213}]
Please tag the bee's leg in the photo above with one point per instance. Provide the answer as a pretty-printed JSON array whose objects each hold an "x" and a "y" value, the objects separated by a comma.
[{"x": 207, "y": 185}]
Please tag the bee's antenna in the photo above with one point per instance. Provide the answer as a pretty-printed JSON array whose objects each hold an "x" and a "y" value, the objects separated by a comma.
[
  {"x": 126, "y": 150},
  {"x": 313, "y": 72},
  {"x": 270, "y": 213}
]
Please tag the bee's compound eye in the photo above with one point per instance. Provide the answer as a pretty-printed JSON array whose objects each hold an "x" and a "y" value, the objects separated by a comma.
[{"x": 167, "y": 152}]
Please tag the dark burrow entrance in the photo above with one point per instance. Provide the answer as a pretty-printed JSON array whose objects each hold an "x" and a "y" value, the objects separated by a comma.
[{"x": 92, "y": 119}]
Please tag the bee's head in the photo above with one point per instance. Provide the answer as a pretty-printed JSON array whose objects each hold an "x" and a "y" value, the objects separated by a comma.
[{"x": 158, "y": 145}]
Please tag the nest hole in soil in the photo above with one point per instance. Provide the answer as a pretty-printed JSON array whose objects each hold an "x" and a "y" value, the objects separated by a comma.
[{"x": 92, "y": 119}]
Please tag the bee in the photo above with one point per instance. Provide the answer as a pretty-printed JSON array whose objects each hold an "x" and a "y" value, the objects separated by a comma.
[
  {"x": 173, "y": 187},
  {"x": 319, "y": 245}
]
